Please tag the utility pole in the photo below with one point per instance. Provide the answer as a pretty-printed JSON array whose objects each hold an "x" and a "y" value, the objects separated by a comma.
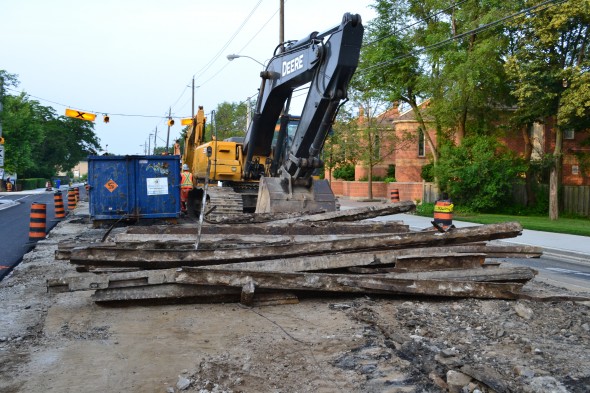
[
  {"x": 168, "y": 135},
  {"x": 282, "y": 25},
  {"x": 150, "y": 144},
  {"x": 2, "y": 144},
  {"x": 1, "y": 98},
  {"x": 193, "y": 100},
  {"x": 155, "y": 136},
  {"x": 248, "y": 114}
]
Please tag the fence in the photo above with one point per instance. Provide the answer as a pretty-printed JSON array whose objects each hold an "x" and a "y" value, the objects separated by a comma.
[
  {"x": 573, "y": 199},
  {"x": 413, "y": 191},
  {"x": 576, "y": 200}
]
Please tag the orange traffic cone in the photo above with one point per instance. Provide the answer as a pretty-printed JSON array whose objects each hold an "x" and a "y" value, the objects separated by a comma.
[{"x": 38, "y": 224}]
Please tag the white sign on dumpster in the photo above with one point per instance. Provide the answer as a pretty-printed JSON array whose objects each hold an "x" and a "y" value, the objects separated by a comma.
[
  {"x": 1, "y": 155},
  {"x": 157, "y": 186}
]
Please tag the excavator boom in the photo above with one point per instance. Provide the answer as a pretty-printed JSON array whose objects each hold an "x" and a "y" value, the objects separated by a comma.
[{"x": 327, "y": 61}]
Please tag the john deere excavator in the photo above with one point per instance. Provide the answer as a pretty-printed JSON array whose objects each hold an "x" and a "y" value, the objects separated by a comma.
[{"x": 272, "y": 168}]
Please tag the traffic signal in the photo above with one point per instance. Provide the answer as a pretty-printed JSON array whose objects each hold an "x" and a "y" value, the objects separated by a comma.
[
  {"x": 187, "y": 121},
  {"x": 80, "y": 115},
  {"x": 1, "y": 140},
  {"x": 106, "y": 118},
  {"x": 170, "y": 122}
]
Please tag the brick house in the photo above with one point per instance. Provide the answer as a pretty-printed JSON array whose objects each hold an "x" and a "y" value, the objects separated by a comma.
[{"x": 410, "y": 160}]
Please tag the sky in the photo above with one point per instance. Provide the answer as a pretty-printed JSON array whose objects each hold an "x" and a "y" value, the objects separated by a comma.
[{"x": 131, "y": 57}]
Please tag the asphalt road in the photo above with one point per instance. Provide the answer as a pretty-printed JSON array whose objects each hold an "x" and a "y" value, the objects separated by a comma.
[
  {"x": 571, "y": 275},
  {"x": 14, "y": 226}
]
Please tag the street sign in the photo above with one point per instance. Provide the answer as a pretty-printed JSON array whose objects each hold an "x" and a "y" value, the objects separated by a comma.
[
  {"x": 187, "y": 121},
  {"x": 80, "y": 115},
  {"x": 1, "y": 155}
]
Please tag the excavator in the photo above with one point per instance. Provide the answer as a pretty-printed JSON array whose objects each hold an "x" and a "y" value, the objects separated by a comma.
[{"x": 272, "y": 168}]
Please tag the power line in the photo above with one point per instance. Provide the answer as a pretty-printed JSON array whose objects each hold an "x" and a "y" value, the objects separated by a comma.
[
  {"x": 85, "y": 110},
  {"x": 476, "y": 30},
  {"x": 216, "y": 56},
  {"x": 415, "y": 23}
]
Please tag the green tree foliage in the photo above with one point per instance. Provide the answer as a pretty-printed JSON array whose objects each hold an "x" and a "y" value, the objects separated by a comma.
[
  {"x": 230, "y": 120},
  {"x": 548, "y": 68},
  {"x": 479, "y": 173},
  {"x": 391, "y": 68},
  {"x": 22, "y": 131},
  {"x": 38, "y": 142},
  {"x": 344, "y": 172}
]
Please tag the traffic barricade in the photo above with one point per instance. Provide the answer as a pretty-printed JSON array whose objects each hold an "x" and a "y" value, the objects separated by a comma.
[{"x": 37, "y": 226}]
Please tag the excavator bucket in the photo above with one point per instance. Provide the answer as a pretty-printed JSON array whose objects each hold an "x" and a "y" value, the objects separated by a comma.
[{"x": 274, "y": 196}]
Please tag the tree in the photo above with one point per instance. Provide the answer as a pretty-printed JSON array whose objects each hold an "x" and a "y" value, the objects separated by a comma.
[
  {"x": 376, "y": 139},
  {"x": 67, "y": 141},
  {"x": 549, "y": 72},
  {"x": 341, "y": 148},
  {"x": 230, "y": 120},
  {"x": 23, "y": 132},
  {"x": 38, "y": 142},
  {"x": 391, "y": 65},
  {"x": 468, "y": 87}
]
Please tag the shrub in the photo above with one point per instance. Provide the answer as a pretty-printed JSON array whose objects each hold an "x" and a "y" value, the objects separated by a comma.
[
  {"x": 28, "y": 184},
  {"x": 391, "y": 171},
  {"x": 344, "y": 172},
  {"x": 478, "y": 174},
  {"x": 427, "y": 172},
  {"x": 389, "y": 179}
]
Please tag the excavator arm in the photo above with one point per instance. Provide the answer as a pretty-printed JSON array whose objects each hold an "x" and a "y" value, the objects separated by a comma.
[{"x": 328, "y": 67}]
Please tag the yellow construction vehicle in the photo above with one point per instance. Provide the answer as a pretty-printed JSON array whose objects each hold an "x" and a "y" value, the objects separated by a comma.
[{"x": 270, "y": 169}]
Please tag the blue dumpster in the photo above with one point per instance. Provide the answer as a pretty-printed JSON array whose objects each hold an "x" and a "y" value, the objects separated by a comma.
[{"x": 133, "y": 187}]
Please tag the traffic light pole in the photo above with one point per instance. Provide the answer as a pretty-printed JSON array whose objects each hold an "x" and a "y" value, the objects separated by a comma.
[{"x": 168, "y": 134}]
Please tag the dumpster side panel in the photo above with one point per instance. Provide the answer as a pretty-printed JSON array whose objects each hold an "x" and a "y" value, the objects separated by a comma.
[
  {"x": 111, "y": 182},
  {"x": 157, "y": 186}
]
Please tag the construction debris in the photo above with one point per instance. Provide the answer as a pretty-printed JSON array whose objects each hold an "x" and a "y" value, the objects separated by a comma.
[{"x": 302, "y": 254}]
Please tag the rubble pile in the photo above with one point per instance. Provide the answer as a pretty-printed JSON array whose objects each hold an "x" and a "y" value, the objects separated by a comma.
[{"x": 275, "y": 261}]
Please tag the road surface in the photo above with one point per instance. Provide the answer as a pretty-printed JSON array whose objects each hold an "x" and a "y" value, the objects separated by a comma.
[{"x": 15, "y": 212}]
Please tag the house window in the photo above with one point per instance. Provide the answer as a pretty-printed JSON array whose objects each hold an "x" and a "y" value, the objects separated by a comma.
[
  {"x": 568, "y": 134},
  {"x": 421, "y": 138},
  {"x": 575, "y": 170}
]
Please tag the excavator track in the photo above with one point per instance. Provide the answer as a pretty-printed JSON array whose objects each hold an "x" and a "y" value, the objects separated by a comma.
[{"x": 226, "y": 201}]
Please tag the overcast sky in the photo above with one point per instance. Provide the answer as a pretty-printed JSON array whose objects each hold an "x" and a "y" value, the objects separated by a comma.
[{"x": 136, "y": 57}]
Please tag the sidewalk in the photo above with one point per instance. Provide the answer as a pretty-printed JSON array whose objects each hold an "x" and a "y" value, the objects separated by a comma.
[
  {"x": 6, "y": 203},
  {"x": 555, "y": 245}
]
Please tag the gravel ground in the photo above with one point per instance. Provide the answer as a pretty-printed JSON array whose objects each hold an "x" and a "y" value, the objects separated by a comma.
[{"x": 67, "y": 343}]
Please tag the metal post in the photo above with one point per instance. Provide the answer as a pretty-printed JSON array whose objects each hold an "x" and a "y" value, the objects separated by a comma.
[
  {"x": 149, "y": 150},
  {"x": 204, "y": 200},
  {"x": 214, "y": 125},
  {"x": 155, "y": 136}
]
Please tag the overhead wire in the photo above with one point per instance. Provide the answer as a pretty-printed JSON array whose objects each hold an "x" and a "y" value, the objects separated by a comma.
[
  {"x": 478, "y": 29},
  {"x": 489, "y": 25},
  {"x": 415, "y": 23}
]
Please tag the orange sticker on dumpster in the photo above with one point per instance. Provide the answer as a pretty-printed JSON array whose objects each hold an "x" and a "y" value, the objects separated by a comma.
[{"x": 111, "y": 185}]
